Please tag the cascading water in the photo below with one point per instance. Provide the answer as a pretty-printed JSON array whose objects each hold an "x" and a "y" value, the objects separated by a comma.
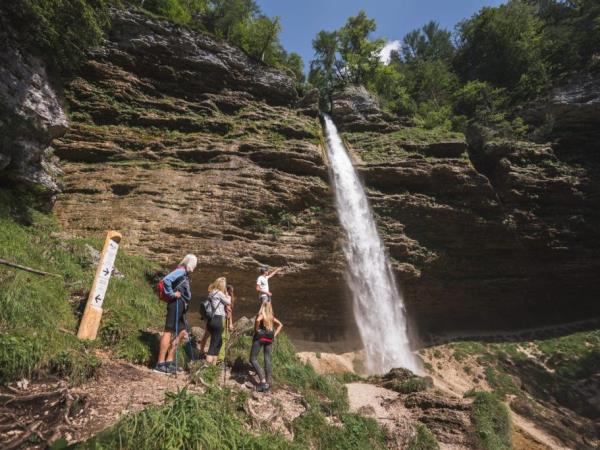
[{"x": 378, "y": 304}]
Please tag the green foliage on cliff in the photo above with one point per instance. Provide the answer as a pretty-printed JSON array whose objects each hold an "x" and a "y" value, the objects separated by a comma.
[
  {"x": 492, "y": 421},
  {"x": 60, "y": 31},
  {"x": 39, "y": 314},
  {"x": 498, "y": 59},
  {"x": 240, "y": 22}
]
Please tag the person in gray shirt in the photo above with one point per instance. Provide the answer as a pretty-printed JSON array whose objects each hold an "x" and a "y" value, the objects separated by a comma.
[{"x": 217, "y": 292}]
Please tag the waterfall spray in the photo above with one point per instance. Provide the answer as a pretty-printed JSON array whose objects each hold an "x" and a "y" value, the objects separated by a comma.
[{"x": 377, "y": 302}]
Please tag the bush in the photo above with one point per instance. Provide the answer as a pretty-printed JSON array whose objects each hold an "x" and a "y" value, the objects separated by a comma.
[
  {"x": 492, "y": 421},
  {"x": 423, "y": 439}
]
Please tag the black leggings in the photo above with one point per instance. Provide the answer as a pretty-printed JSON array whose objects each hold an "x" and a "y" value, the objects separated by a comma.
[
  {"x": 215, "y": 328},
  {"x": 267, "y": 348}
]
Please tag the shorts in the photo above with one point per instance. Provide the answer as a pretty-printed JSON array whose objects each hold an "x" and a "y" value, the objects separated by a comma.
[
  {"x": 176, "y": 308},
  {"x": 264, "y": 298}
]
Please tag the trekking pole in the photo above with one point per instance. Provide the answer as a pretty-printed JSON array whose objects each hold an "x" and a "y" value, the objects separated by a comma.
[{"x": 176, "y": 332}]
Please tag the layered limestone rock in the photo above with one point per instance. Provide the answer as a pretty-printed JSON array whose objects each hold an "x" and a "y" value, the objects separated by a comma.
[
  {"x": 184, "y": 144},
  {"x": 353, "y": 108},
  {"x": 31, "y": 116}
]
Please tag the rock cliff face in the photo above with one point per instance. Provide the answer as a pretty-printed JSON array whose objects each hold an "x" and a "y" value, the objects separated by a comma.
[
  {"x": 186, "y": 145},
  {"x": 30, "y": 117},
  {"x": 510, "y": 231}
]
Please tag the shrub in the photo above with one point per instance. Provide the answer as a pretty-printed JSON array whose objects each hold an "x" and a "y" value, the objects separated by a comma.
[
  {"x": 492, "y": 421},
  {"x": 423, "y": 439}
]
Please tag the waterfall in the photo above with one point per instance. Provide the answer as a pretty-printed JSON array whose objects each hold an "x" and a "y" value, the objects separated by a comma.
[{"x": 377, "y": 302}]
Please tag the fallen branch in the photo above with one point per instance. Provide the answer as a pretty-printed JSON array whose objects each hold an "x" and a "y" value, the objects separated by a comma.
[
  {"x": 16, "y": 443},
  {"x": 28, "y": 398},
  {"x": 27, "y": 269}
]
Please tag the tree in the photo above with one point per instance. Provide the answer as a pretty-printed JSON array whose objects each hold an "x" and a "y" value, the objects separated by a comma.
[
  {"x": 325, "y": 68},
  {"x": 359, "y": 53},
  {"x": 503, "y": 46},
  {"x": 428, "y": 43},
  {"x": 259, "y": 37},
  {"x": 227, "y": 15},
  {"x": 293, "y": 62}
]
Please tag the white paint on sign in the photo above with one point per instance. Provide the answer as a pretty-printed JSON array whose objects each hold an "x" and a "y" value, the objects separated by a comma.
[{"x": 106, "y": 263}]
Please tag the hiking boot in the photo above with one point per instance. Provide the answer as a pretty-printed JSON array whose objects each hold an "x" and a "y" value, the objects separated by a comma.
[
  {"x": 171, "y": 365},
  {"x": 162, "y": 368},
  {"x": 263, "y": 387}
]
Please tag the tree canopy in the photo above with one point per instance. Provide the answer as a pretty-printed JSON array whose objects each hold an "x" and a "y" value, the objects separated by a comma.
[{"x": 492, "y": 62}]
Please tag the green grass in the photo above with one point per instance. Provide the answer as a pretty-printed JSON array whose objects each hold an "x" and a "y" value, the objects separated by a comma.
[
  {"x": 492, "y": 421},
  {"x": 209, "y": 421},
  {"x": 502, "y": 383},
  {"x": 39, "y": 315},
  {"x": 423, "y": 439},
  {"x": 409, "y": 386},
  {"x": 326, "y": 392},
  {"x": 215, "y": 420}
]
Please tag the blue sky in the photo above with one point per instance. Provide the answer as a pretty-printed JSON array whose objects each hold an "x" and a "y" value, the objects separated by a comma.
[{"x": 303, "y": 19}]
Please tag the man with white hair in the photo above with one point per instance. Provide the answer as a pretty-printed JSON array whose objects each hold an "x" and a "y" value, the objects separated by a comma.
[{"x": 177, "y": 288}]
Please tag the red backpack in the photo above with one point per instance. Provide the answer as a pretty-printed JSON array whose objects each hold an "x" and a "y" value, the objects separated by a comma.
[
  {"x": 160, "y": 289},
  {"x": 162, "y": 295}
]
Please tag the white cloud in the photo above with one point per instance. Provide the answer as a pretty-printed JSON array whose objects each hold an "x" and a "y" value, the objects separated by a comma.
[{"x": 386, "y": 51}]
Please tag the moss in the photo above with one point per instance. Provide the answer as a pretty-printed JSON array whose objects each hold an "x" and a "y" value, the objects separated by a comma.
[
  {"x": 502, "y": 383},
  {"x": 39, "y": 315},
  {"x": 462, "y": 350},
  {"x": 423, "y": 439},
  {"x": 415, "y": 384},
  {"x": 492, "y": 421}
]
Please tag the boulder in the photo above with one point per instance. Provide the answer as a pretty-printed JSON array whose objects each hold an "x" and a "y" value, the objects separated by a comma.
[
  {"x": 31, "y": 116},
  {"x": 353, "y": 108}
]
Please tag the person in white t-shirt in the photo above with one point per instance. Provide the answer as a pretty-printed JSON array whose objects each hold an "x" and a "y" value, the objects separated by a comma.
[{"x": 262, "y": 283}]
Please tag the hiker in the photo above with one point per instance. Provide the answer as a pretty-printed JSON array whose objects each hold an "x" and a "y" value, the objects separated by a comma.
[
  {"x": 264, "y": 336},
  {"x": 177, "y": 288},
  {"x": 262, "y": 283},
  {"x": 217, "y": 292},
  {"x": 228, "y": 325}
]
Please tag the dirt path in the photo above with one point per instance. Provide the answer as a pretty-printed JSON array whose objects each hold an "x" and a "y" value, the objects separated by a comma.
[
  {"x": 121, "y": 388},
  {"x": 50, "y": 409}
]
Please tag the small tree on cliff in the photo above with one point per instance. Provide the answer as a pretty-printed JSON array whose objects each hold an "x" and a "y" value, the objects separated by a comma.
[{"x": 359, "y": 53}]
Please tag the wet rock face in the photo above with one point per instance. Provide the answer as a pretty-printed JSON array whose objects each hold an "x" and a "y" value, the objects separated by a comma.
[
  {"x": 30, "y": 117},
  {"x": 185, "y": 145},
  {"x": 355, "y": 109}
]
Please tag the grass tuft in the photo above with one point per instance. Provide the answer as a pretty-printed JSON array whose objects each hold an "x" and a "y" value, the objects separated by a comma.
[
  {"x": 492, "y": 421},
  {"x": 423, "y": 439}
]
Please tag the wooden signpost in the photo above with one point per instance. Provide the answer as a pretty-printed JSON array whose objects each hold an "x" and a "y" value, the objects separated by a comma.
[{"x": 90, "y": 322}]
